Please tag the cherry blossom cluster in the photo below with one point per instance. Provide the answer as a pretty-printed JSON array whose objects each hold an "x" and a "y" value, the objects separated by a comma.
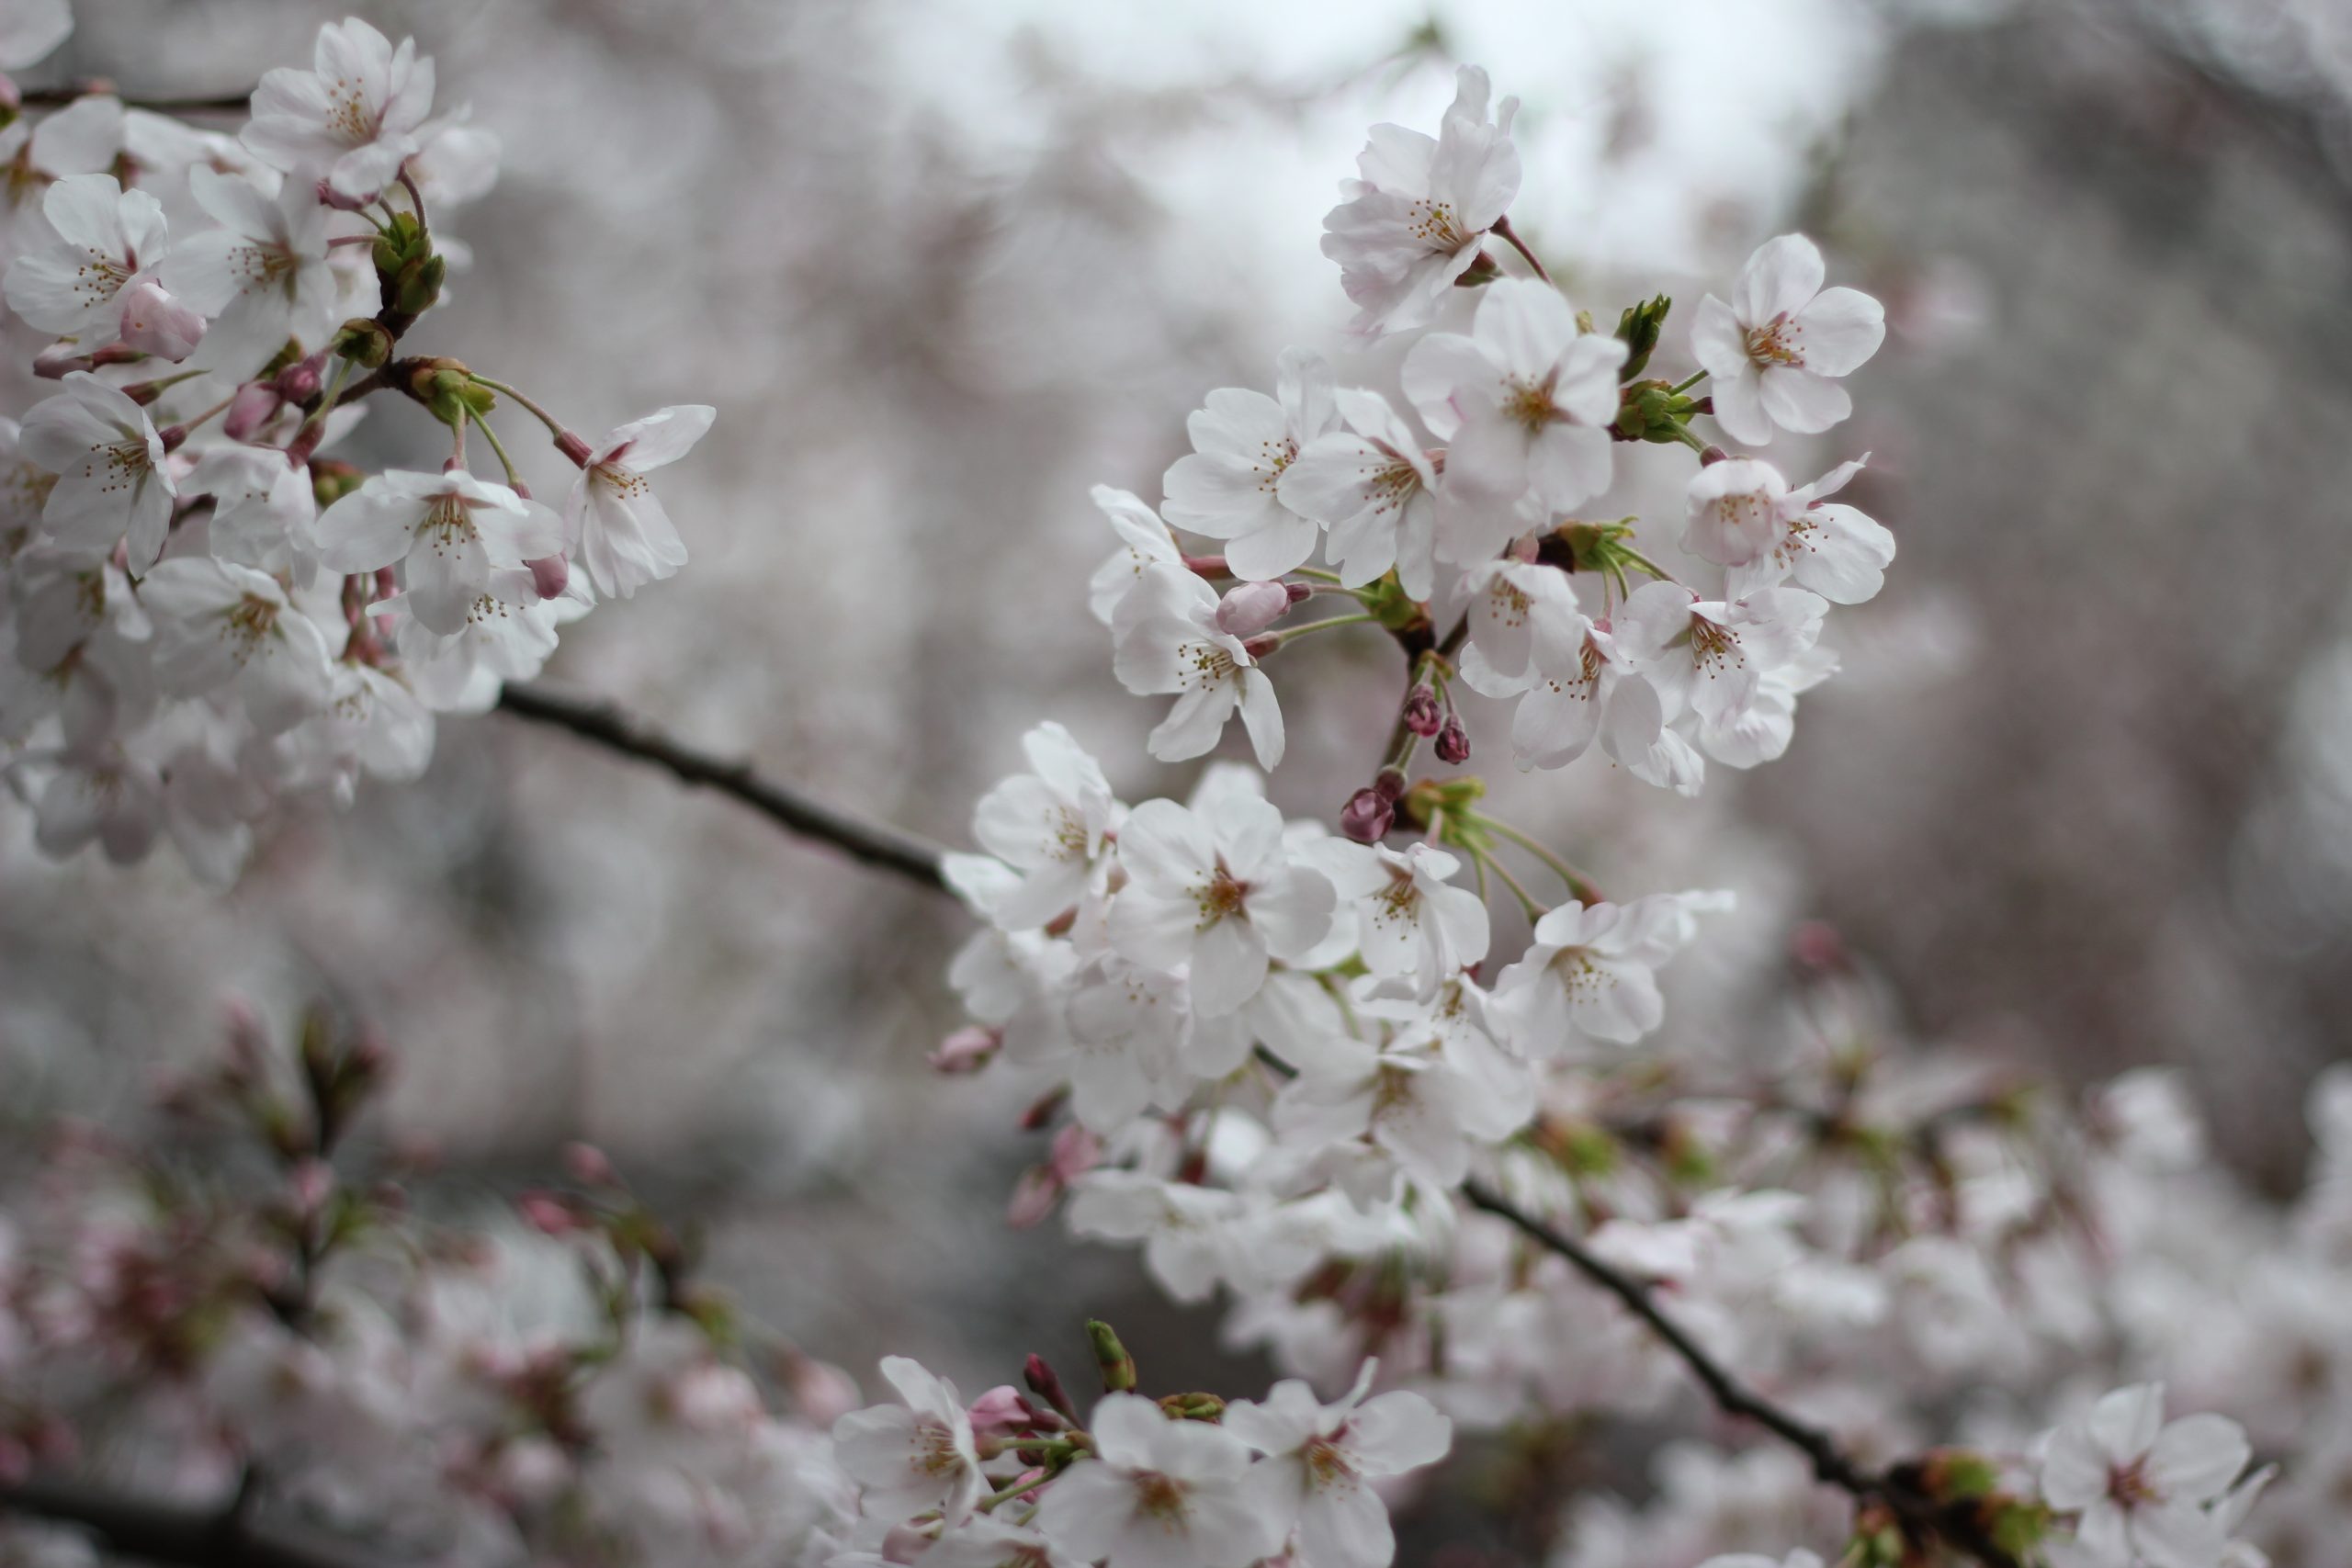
[
  {"x": 1290, "y": 1064},
  {"x": 208, "y": 611}
]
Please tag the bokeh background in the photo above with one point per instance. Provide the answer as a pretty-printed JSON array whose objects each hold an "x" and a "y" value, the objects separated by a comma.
[{"x": 2083, "y": 796}]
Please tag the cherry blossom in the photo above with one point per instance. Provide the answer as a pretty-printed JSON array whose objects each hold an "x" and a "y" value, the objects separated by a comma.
[
  {"x": 1592, "y": 971},
  {"x": 1525, "y": 400},
  {"x": 1048, "y": 824},
  {"x": 1167, "y": 641},
  {"x": 1413, "y": 222},
  {"x": 614, "y": 520},
  {"x": 1710, "y": 655},
  {"x": 449, "y": 531},
  {"x": 1374, "y": 486},
  {"x": 221, "y": 625},
  {"x": 352, "y": 118},
  {"x": 112, "y": 483},
  {"x": 1243, "y": 442},
  {"x": 2143, "y": 1489},
  {"x": 263, "y": 275},
  {"x": 914, "y": 1456},
  {"x": 1827, "y": 547},
  {"x": 1218, "y": 890},
  {"x": 1143, "y": 541},
  {"x": 1411, "y": 921},
  {"x": 1158, "y": 1493},
  {"x": 1776, "y": 352},
  {"x": 103, "y": 240},
  {"x": 1321, "y": 1458}
]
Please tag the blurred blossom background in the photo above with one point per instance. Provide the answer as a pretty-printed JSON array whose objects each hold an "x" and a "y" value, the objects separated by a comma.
[{"x": 2084, "y": 797}]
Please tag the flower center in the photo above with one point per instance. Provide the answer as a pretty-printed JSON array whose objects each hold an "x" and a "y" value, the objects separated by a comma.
[
  {"x": 447, "y": 524},
  {"x": 1205, "y": 664},
  {"x": 1434, "y": 225},
  {"x": 1160, "y": 1499},
  {"x": 1222, "y": 898},
  {"x": 626, "y": 484},
  {"x": 2129, "y": 1486},
  {"x": 348, "y": 113},
  {"x": 1775, "y": 342},
  {"x": 1529, "y": 404},
  {"x": 936, "y": 1452},
  {"x": 248, "y": 621}
]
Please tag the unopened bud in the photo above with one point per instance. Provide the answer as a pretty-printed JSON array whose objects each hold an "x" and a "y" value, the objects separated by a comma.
[
  {"x": 59, "y": 360},
  {"x": 547, "y": 1214},
  {"x": 1111, "y": 1358},
  {"x": 1367, "y": 816},
  {"x": 1299, "y": 592},
  {"x": 1251, "y": 608},
  {"x": 589, "y": 1166},
  {"x": 1046, "y": 1384},
  {"x": 1193, "y": 1407},
  {"x": 966, "y": 1051},
  {"x": 1452, "y": 742},
  {"x": 548, "y": 575},
  {"x": 999, "y": 1412},
  {"x": 364, "y": 340},
  {"x": 156, "y": 322},
  {"x": 1421, "y": 716},
  {"x": 254, "y": 405},
  {"x": 299, "y": 381}
]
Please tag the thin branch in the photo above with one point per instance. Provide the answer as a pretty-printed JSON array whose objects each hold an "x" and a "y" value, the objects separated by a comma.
[
  {"x": 176, "y": 1533},
  {"x": 57, "y": 97},
  {"x": 605, "y": 724},
  {"x": 1922, "y": 1515}
]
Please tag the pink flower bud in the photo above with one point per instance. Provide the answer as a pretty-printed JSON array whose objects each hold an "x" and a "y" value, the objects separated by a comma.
[
  {"x": 256, "y": 404},
  {"x": 154, "y": 322},
  {"x": 1034, "y": 1197},
  {"x": 1251, "y": 608},
  {"x": 548, "y": 575},
  {"x": 588, "y": 1164},
  {"x": 1046, "y": 1384},
  {"x": 1367, "y": 817},
  {"x": 966, "y": 1051},
  {"x": 1300, "y": 592},
  {"x": 904, "y": 1543},
  {"x": 999, "y": 1413},
  {"x": 547, "y": 1214},
  {"x": 1452, "y": 742},
  {"x": 1421, "y": 716},
  {"x": 300, "y": 381}
]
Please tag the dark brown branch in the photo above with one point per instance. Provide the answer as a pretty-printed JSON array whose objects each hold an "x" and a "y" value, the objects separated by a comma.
[
  {"x": 1923, "y": 1517},
  {"x": 178, "y": 1533},
  {"x": 57, "y": 97},
  {"x": 607, "y": 725}
]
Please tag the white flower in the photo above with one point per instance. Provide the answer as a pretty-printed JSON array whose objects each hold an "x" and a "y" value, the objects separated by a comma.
[
  {"x": 1411, "y": 922},
  {"x": 1773, "y": 354},
  {"x": 1048, "y": 825},
  {"x": 111, "y": 479},
  {"x": 1143, "y": 541},
  {"x": 1523, "y": 615},
  {"x": 1158, "y": 1493},
  {"x": 30, "y": 30},
  {"x": 1320, "y": 1459},
  {"x": 1761, "y": 731},
  {"x": 2143, "y": 1488},
  {"x": 1191, "y": 1233},
  {"x": 1592, "y": 971},
  {"x": 613, "y": 518},
  {"x": 104, "y": 237},
  {"x": 507, "y": 634},
  {"x": 1427, "y": 1101},
  {"x": 449, "y": 530},
  {"x": 1414, "y": 221},
  {"x": 264, "y": 273},
  {"x": 982, "y": 1541},
  {"x": 82, "y": 138},
  {"x": 1561, "y": 711},
  {"x": 351, "y": 117},
  {"x": 1829, "y": 549},
  {"x": 106, "y": 796},
  {"x": 1375, "y": 488},
  {"x": 1800, "y": 1558},
  {"x": 1242, "y": 441},
  {"x": 1525, "y": 402},
  {"x": 1732, "y": 511},
  {"x": 1165, "y": 638},
  {"x": 219, "y": 625},
  {"x": 264, "y": 513},
  {"x": 913, "y": 1457},
  {"x": 1710, "y": 656},
  {"x": 1219, "y": 890}
]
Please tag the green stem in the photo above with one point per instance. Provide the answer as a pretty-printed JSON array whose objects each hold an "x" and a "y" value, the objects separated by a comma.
[
  {"x": 556, "y": 427},
  {"x": 514, "y": 479},
  {"x": 1691, "y": 438},
  {"x": 1534, "y": 911},
  {"x": 1682, "y": 387},
  {"x": 1647, "y": 564},
  {"x": 1583, "y": 886},
  {"x": 1324, "y": 626},
  {"x": 1317, "y": 573}
]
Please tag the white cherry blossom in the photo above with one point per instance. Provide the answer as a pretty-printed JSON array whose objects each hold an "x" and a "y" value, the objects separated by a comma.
[
  {"x": 352, "y": 118},
  {"x": 1243, "y": 441},
  {"x": 1775, "y": 352},
  {"x": 1411, "y": 922},
  {"x": 112, "y": 481},
  {"x": 2143, "y": 1489},
  {"x": 1143, "y": 541},
  {"x": 1218, "y": 890},
  {"x": 448, "y": 531},
  {"x": 1709, "y": 655},
  {"x": 1524, "y": 402},
  {"x": 219, "y": 624},
  {"x": 615, "y": 523},
  {"x": 1827, "y": 547},
  {"x": 1166, "y": 640},
  {"x": 1374, "y": 486},
  {"x": 263, "y": 275},
  {"x": 914, "y": 1456},
  {"x": 102, "y": 240},
  {"x": 1158, "y": 1493},
  {"x": 1592, "y": 971},
  {"x": 1414, "y": 221},
  {"x": 1321, "y": 1459}
]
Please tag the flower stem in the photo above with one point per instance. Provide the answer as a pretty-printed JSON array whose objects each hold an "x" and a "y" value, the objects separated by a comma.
[
  {"x": 1324, "y": 626},
  {"x": 1583, "y": 886},
  {"x": 556, "y": 427},
  {"x": 1682, "y": 387},
  {"x": 1510, "y": 235},
  {"x": 1527, "y": 901},
  {"x": 513, "y": 480}
]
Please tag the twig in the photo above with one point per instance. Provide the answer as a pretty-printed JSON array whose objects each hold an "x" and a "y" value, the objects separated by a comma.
[
  {"x": 1923, "y": 1516},
  {"x": 607, "y": 725}
]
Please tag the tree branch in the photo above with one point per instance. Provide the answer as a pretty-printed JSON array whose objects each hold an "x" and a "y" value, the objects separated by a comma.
[
  {"x": 213, "y": 1537},
  {"x": 1923, "y": 1516},
  {"x": 605, "y": 724}
]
